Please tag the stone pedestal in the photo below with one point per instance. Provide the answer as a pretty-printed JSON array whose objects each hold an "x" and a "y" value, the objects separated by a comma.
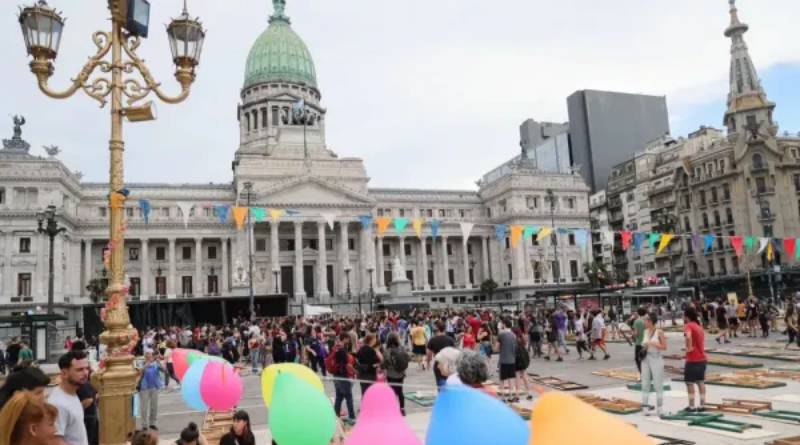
[{"x": 399, "y": 289}]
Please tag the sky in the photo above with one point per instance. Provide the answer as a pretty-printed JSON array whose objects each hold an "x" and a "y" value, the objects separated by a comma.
[{"x": 436, "y": 87}]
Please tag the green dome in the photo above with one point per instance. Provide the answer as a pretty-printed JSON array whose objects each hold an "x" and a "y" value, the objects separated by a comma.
[{"x": 279, "y": 54}]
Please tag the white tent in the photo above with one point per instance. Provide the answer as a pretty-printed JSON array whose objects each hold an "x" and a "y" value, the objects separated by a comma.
[{"x": 311, "y": 311}]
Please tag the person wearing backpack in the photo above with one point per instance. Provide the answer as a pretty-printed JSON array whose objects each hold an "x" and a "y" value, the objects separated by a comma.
[
  {"x": 341, "y": 365},
  {"x": 395, "y": 362},
  {"x": 316, "y": 353}
]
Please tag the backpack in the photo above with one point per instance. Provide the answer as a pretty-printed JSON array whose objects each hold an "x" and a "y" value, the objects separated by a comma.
[
  {"x": 334, "y": 368},
  {"x": 398, "y": 361}
]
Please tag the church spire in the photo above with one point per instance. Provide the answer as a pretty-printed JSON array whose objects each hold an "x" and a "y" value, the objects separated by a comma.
[
  {"x": 747, "y": 100},
  {"x": 279, "y": 6}
]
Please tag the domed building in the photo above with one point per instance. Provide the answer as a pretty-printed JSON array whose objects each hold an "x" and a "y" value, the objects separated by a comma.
[{"x": 184, "y": 264}]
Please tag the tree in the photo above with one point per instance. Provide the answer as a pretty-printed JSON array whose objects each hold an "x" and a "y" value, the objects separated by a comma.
[
  {"x": 488, "y": 287},
  {"x": 597, "y": 273},
  {"x": 97, "y": 290}
]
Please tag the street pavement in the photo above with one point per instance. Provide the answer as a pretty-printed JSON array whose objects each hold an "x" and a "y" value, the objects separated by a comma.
[{"x": 174, "y": 415}]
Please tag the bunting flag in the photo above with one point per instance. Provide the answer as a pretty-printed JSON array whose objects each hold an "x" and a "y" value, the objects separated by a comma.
[
  {"x": 708, "y": 243},
  {"x": 750, "y": 243},
  {"x": 466, "y": 229},
  {"x": 239, "y": 215},
  {"x": 501, "y": 232},
  {"x": 366, "y": 221},
  {"x": 581, "y": 236},
  {"x": 529, "y": 232},
  {"x": 186, "y": 209},
  {"x": 417, "y": 223},
  {"x": 653, "y": 239},
  {"x": 638, "y": 239},
  {"x": 770, "y": 251},
  {"x": 222, "y": 213},
  {"x": 789, "y": 245},
  {"x": 435, "y": 223},
  {"x": 797, "y": 254},
  {"x": 291, "y": 212},
  {"x": 400, "y": 224},
  {"x": 258, "y": 213},
  {"x": 383, "y": 224},
  {"x": 544, "y": 232},
  {"x": 144, "y": 206},
  {"x": 516, "y": 235},
  {"x": 665, "y": 239},
  {"x": 626, "y": 239},
  {"x": 762, "y": 245},
  {"x": 329, "y": 217},
  {"x": 274, "y": 214},
  {"x": 736, "y": 243}
]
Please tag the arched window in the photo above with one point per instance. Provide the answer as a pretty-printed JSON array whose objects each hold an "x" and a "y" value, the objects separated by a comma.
[
  {"x": 717, "y": 221},
  {"x": 705, "y": 221},
  {"x": 255, "y": 120},
  {"x": 247, "y": 115},
  {"x": 758, "y": 161}
]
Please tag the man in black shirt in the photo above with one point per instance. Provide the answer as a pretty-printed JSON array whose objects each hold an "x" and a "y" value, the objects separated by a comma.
[{"x": 436, "y": 344}]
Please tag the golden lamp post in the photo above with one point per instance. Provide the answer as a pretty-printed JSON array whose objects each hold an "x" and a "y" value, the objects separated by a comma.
[{"x": 115, "y": 78}]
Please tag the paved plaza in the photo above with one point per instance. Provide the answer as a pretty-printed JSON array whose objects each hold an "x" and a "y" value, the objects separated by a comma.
[{"x": 174, "y": 414}]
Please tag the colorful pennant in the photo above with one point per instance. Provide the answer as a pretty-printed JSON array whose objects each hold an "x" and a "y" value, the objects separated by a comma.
[
  {"x": 501, "y": 232},
  {"x": 222, "y": 213},
  {"x": 417, "y": 223},
  {"x": 400, "y": 224},
  {"x": 736, "y": 243},
  {"x": 383, "y": 224},
  {"x": 466, "y": 229},
  {"x": 144, "y": 206},
  {"x": 258, "y": 213},
  {"x": 239, "y": 216},
  {"x": 544, "y": 232},
  {"x": 366, "y": 221},
  {"x": 435, "y": 223},
  {"x": 665, "y": 239},
  {"x": 516, "y": 234}
]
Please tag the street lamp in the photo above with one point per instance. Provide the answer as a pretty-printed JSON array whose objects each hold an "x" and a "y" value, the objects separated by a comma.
[
  {"x": 52, "y": 230},
  {"x": 347, "y": 270},
  {"x": 275, "y": 274},
  {"x": 370, "y": 269},
  {"x": 551, "y": 199},
  {"x": 116, "y": 60},
  {"x": 247, "y": 193}
]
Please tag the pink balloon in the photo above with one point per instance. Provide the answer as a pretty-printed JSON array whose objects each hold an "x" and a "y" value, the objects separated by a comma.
[
  {"x": 380, "y": 421},
  {"x": 180, "y": 362},
  {"x": 221, "y": 387}
]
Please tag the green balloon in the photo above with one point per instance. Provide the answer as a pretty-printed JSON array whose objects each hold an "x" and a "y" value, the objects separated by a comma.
[
  {"x": 300, "y": 414},
  {"x": 194, "y": 356}
]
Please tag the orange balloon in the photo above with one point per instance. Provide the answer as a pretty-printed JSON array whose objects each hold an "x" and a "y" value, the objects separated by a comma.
[{"x": 560, "y": 419}]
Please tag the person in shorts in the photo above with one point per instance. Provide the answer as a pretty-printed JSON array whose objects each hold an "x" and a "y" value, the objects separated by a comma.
[{"x": 695, "y": 371}]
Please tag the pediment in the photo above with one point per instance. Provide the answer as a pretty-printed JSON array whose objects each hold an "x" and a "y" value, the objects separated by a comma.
[{"x": 309, "y": 191}]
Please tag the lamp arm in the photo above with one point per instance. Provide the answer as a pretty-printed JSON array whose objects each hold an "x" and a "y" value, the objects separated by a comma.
[
  {"x": 135, "y": 91},
  {"x": 97, "y": 89}
]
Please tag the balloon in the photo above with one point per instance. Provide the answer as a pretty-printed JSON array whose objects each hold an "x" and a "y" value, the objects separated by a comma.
[
  {"x": 221, "y": 387},
  {"x": 190, "y": 386},
  {"x": 554, "y": 417},
  {"x": 466, "y": 416},
  {"x": 180, "y": 361},
  {"x": 380, "y": 421},
  {"x": 300, "y": 414},
  {"x": 193, "y": 356},
  {"x": 270, "y": 374}
]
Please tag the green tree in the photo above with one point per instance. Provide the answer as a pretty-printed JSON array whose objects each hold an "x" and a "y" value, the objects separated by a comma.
[
  {"x": 97, "y": 290},
  {"x": 597, "y": 273},
  {"x": 488, "y": 287}
]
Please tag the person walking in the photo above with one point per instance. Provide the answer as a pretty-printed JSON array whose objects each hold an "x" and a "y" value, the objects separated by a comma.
[
  {"x": 561, "y": 324},
  {"x": 695, "y": 370},
  {"x": 170, "y": 373},
  {"x": 340, "y": 364},
  {"x": 599, "y": 335},
  {"x": 552, "y": 339},
  {"x": 436, "y": 344},
  {"x": 368, "y": 360},
  {"x": 580, "y": 336},
  {"x": 150, "y": 384},
  {"x": 74, "y": 367},
  {"x": 507, "y": 347},
  {"x": 521, "y": 362},
  {"x": 653, "y": 346},
  {"x": 395, "y": 362},
  {"x": 418, "y": 342},
  {"x": 722, "y": 323},
  {"x": 791, "y": 324},
  {"x": 638, "y": 336}
]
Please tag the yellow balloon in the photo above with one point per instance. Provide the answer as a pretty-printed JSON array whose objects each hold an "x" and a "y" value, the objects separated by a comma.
[
  {"x": 269, "y": 376},
  {"x": 553, "y": 423}
]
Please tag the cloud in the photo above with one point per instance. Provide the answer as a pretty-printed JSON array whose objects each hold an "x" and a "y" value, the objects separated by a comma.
[{"x": 437, "y": 88}]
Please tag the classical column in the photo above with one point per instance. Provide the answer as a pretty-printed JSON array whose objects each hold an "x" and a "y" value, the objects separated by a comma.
[
  {"x": 197, "y": 288},
  {"x": 299, "y": 282},
  {"x": 274, "y": 226},
  {"x": 445, "y": 265},
  {"x": 171, "y": 285},
  {"x": 402, "y": 241},
  {"x": 40, "y": 276},
  {"x": 379, "y": 263},
  {"x": 87, "y": 265},
  {"x": 467, "y": 281},
  {"x": 344, "y": 257},
  {"x": 519, "y": 262},
  {"x": 424, "y": 254},
  {"x": 526, "y": 257},
  {"x": 485, "y": 272},
  {"x": 322, "y": 264},
  {"x": 144, "y": 279},
  {"x": 226, "y": 279}
]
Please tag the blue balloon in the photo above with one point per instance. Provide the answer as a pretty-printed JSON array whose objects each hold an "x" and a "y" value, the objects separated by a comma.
[
  {"x": 190, "y": 385},
  {"x": 466, "y": 416}
]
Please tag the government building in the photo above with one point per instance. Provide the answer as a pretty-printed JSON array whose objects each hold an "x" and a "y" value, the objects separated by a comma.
[{"x": 185, "y": 263}]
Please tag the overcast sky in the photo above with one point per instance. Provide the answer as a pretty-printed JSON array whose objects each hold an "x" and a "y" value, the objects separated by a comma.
[{"x": 437, "y": 86}]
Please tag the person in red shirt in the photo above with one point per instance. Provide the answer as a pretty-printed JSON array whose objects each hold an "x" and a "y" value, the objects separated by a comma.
[{"x": 695, "y": 370}]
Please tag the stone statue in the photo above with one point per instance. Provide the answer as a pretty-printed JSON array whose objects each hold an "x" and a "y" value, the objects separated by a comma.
[
  {"x": 16, "y": 143},
  {"x": 19, "y": 121},
  {"x": 52, "y": 150},
  {"x": 240, "y": 277},
  {"x": 398, "y": 270},
  {"x": 280, "y": 7}
]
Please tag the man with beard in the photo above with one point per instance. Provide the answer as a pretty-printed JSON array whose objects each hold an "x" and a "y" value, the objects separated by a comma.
[{"x": 70, "y": 427}]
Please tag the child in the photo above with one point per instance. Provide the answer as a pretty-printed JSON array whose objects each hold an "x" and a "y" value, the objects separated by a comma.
[{"x": 580, "y": 337}]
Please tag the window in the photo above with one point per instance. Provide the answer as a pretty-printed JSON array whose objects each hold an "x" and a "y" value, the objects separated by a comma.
[
  {"x": 387, "y": 250},
  {"x": 402, "y": 212},
  {"x": 687, "y": 226},
  {"x": 532, "y": 202},
  {"x": 165, "y": 212},
  {"x": 136, "y": 286},
  {"x": 723, "y": 269},
  {"x": 24, "y": 285},
  {"x": 554, "y": 239},
  {"x": 133, "y": 254},
  {"x": 502, "y": 205},
  {"x": 717, "y": 221},
  {"x": 570, "y": 203},
  {"x": 286, "y": 245},
  {"x": 212, "y": 252},
  {"x": 711, "y": 267},
  {"x": 2, "y": 196},
  {"x": 488, "y": 212},
  {"x": 720, "y": 245},
  {"x": 449, "y": 249},
  {"x": 263, "y": 118},
  {"x": 689, "y": 247},
  {"x": 735, "y": 264},
  {"x": 186, "y": 253},
  {"x": 307, "y": 244},
  {"x": 729, "y": 215},
  {"x": 129, "y": 212},
  {"x": 469, "y": 249},
  {"x": 761, "y": 185},
  {"x": 571, "y": 239},
  {"x": 408, "y": 249},
  {"x": 328, "y": 244},
  {"x": 573, "y": 269},
  {"x": 702, "y": 197},
  {"x": 24, "y": 245},
  {"x": 428, "y": 249},
  {"x": 462, "y": 213},
  {"x": 722, "y": 166},
  {"x": 430, "y": 213},
  {"x": 705, "y": 221},
  {"x": 441, "y": 213},
  {"x": 186, "y": 285},
  {"x": 726, "y": 192},
  {"x": 510, "y": 273},
  {"x": 161, "y": 286},
  {"x": 213, "y": 285},
  {"x": 508, "y": 242},
  {"x": 261, "y": 244},
  {"x": 713, "y": 195},
  {"x": 537, "y": 270},
  {"x": 275, "y": 114},
  {"x": 102, "y": 212},
  {"x": 161, "y": 253},
  {"x": 758, "y": 160}
]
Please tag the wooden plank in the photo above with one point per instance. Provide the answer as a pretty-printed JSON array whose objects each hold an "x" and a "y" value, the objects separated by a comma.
[
  {"x": 738, "y": 406},
  {"x": 557, "y": 383},
  {"x": 612, "y": 405},
  {"x": 216, "y": 424},
  {"x": 795, "y": 440},
  {"x": 618, "y": 373}
]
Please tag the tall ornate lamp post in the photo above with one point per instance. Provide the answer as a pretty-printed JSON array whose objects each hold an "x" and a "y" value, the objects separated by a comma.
[
  {"x": 48, "y": 225},
  {"x": 247, "y": 193},
  {"x": 117, "y": 61}
]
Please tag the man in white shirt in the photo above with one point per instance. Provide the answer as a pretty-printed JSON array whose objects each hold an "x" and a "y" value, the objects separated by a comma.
[
  {"x": 70, "y": 428},
  {"x": 599, "y": 334}
]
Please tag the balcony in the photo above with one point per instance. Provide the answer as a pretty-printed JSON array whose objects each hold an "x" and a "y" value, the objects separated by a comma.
[
  {"x": 616, "y": 217},
  {"x": 759, "y": 168},
  {"x": 614, "y": 203},
  {"x": 762, "y": 191}
]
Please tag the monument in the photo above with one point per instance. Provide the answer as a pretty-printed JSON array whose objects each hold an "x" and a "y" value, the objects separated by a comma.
[{"x": 400, "y": 287}]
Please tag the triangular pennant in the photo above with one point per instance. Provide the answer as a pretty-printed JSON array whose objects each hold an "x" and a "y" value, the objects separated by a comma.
[
  {"x": 275, "y": 214},
  {"x": 144, "y": 205},
  {"x": 653, "y": 239},
  {"x": 638, "y": 239},
  {"x": 736, "y": 243},
  {"x": 696, "y": 240},
  {"x": 708, "y": 243},
  {"x": 501, "y": 232},
  {"x": 329, "y": 217},
  {"x": 366, "y": 221},
  {"x": 544, "y": 233},
  {"x": 239, "y": 216},
  {"x": 400, "y": 224},
  {"x": 435, "y": 223},
  {"x": 750, "y": 243},
  {"x": 383, "y": 224},
  {"x": 258, "y": 213},
  {"x": 770, "y": 251},
  {"x": 417, "y": 223},
  {"x": 516, "y": 235},
  {"x": 626, "y": 239},
  {"x": 466, "y": 229},
  {"x": 762, "y": 245},
  {"x": 665, "y": 239},
  {"x": 186, "y": 209},
  {"x": 529, "y": 232},
  {"x": 222, "y": 213},
  {"x": 789, "y": 245}
]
